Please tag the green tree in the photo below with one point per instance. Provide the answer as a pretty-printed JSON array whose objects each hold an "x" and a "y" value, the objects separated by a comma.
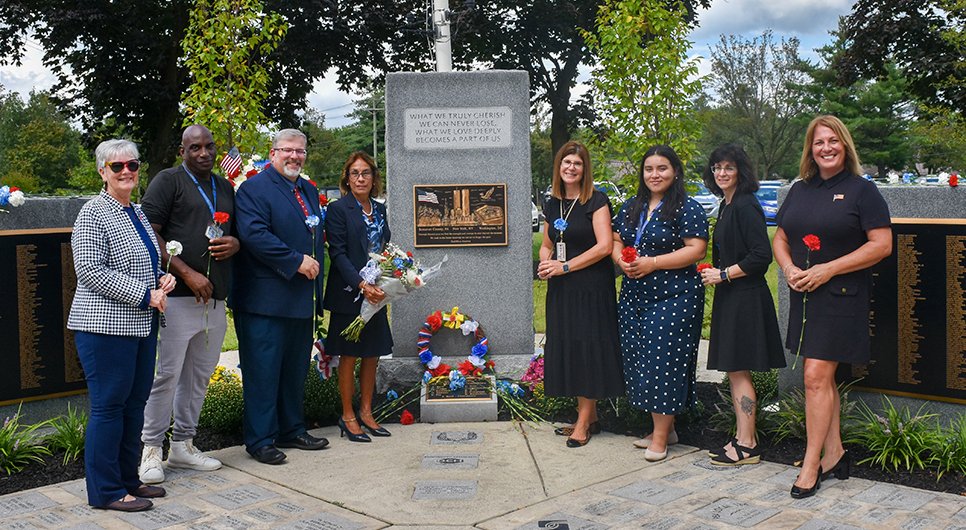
[
  {"x": 758, "y": 87},
  {"x": 38, "y": 147},
  {"x": 644, "y": 82},
  {"x": 227, "y": 45}
]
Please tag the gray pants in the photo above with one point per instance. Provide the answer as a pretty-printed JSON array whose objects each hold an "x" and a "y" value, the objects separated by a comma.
[{"x": 183, "y": 368}]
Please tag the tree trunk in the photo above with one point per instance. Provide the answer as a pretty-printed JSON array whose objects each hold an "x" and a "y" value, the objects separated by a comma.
[{"x": 161, "y": 144}]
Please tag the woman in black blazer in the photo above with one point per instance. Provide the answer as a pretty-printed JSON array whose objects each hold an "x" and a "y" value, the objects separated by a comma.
[{"x": 355, "y": 226}]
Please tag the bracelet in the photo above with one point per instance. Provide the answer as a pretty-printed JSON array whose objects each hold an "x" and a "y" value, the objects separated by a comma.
[
  {"x": 727, "y": 275},
  {"x": 655, "y": 262}
]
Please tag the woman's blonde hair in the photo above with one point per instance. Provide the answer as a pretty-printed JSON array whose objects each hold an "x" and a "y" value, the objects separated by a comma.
[
  {"x": 808, "y": 168},
  {"x": 587, "y": 180}
]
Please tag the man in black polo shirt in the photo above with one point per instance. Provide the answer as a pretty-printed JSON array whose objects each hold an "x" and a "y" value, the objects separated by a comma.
[{"x": 181, "y": 203}]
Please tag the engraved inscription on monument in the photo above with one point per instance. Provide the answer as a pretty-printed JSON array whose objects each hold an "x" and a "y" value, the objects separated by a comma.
[
  {"x": 458, "y": 128},
  {"x": 34, "y": 304},
  {"x": 449, "y": 215},
  {"x": 918, "y": 312}
]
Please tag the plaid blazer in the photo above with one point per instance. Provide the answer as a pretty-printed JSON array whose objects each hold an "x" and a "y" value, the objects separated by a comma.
[{"x": 114, "y": 270}]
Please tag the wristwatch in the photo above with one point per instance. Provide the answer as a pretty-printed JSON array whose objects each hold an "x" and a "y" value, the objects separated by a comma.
[
  {"x": 566, "y": 267},
  {"x": 724, "y": 275}
]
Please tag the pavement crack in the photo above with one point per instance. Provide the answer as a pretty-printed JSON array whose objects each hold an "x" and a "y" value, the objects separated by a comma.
[{"x": 533, "y": 457}]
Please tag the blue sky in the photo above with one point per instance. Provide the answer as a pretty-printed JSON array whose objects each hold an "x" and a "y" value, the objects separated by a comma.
[{"x": 809, "y": 20}]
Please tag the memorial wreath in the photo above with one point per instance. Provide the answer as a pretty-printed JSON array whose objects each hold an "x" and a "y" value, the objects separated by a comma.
[{"x": 436, "y": 370}]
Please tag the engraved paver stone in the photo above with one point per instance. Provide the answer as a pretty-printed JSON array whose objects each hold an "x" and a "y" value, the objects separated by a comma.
[
  {"x": 289, "y": 507},
  {"x": 842, "y": 508},
  {"x": 322, "y": 521},
  {"x": 562, "y": 521},
  {"x": 631, "y": 513},
  {"x": 444, "y": 489},
  {"x": 456, "y": 437},
  {"x": 651, "y": 492},
  {"x": 877, "y": 515},
  {"x": 451, "y": 461},
  {"x": 221, "y": 524},
  {"x": 262, "y": 515},
  {"x": 245, "y": 495},
  {"x": 821, "y": 524},
  {"x": 916, "y": 522},
  {"x": 603, "y": 506},
  {"x": 664, "y": 523},
  {"x": 735, "y": 512},
  {"x": 24, "y": 503},
  {"x": 898, "y": 497},
  {"x": 163, "y": 516}
]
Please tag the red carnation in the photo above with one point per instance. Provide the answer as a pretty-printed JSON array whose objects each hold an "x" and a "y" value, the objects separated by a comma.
[
  {"x": 323, "y": 200},
  {"x": 435, "y": 320},
  {"x": 409, "y": 254},
  {"x": 490, "y": 364},
  {"x": 221, "y": 217},
  {"x": 703, "y": 266},
  {"x": 466, "y": 367},
  {"x": 812, "y": 242},
  {"x": 251, "y": 173},
  {"x": 629, "y": 254},
  {"x": 953, "y": 180},
  {"x": 407, "y": 418},
  {"x": 442, "y": 369},
  {"x": 14, "y": 188}
]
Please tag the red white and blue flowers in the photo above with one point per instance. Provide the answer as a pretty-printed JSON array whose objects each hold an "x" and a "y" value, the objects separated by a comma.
[{"x": 475, "y": 364}]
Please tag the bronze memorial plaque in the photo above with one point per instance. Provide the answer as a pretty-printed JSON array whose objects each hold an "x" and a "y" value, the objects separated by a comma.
[
  {"x": 460, "y": 215},
  {"x": 476, "y": 388},
  {"x": 35, "y": 299},
  {"x": 918, "y": 314}
]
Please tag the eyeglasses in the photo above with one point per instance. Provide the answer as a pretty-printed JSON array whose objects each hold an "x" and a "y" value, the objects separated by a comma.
[
  {"x": 566, "y": 163},
  {"x": 723, "y": 169},
  {"x": 291, "y": 150},
  {"x": 364, "y": 174},
  {"x": 117, "y": 167}
]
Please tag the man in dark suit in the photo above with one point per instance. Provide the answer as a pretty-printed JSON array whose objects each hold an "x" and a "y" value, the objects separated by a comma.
[{"x": 276, "y": 273}]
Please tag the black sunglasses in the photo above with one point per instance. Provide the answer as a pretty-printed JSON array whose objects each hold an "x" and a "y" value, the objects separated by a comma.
[{"x": 117, "y": 167}]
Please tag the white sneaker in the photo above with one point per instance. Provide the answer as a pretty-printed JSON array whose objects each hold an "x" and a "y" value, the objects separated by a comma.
[
  {"x": 151, "y": 471},
  {"x": 186, "y": 455}
]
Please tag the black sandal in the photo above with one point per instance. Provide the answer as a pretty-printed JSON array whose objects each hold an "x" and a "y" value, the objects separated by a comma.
[{"x": 746, "y": 455}]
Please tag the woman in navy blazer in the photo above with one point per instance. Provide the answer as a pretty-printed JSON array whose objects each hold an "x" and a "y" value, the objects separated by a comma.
[{"x": 356, "y": 225}]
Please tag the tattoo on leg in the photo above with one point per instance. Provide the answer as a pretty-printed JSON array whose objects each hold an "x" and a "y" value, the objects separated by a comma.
[{"x": 747, "y": 405}]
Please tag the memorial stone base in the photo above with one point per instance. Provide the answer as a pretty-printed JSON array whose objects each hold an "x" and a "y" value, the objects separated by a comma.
[{"x": 456, "y": 407}]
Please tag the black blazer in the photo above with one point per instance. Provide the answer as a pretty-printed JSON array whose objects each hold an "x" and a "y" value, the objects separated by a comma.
[{"x": 345, "y": 232}]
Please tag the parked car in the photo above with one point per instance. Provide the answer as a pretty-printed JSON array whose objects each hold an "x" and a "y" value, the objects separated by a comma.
[
  {"x": 706, "y": 199},
  {"x": 331, "y": 192},
  {"x": 612, "y": 192},
  {"x": 768, "y": 198},
  {"x": 535, "y": 215}
]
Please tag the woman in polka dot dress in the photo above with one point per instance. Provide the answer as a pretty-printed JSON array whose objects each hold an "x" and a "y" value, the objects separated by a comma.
[{"x": 661, "y": 303}]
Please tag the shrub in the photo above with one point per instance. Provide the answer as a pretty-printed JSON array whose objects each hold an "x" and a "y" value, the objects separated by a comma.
[
  {"x": 19, "y": 445},
  {"x": 223, "y": 406},
  {"x": 322, "y": 403},
  {"x": 950, "y": 453},
  {"x": 68, "y": 435},
  {"x": 766, "y": 389},
  {"x": 551, "y": 406},
  {"x": 896, "y": 438},
  {"x": 788, "y": 421}
]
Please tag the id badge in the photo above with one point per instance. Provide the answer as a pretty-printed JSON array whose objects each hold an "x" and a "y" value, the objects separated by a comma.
[
  {"x": 214, "y": 232},
  {"x": 561, "y": 251}
]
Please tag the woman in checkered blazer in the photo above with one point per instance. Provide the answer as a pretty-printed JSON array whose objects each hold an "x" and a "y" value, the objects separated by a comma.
[{"x": 121, "y": 289}]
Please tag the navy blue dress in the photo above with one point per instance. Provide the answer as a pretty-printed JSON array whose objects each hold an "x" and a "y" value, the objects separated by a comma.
[{"x": 660, "y": 315}]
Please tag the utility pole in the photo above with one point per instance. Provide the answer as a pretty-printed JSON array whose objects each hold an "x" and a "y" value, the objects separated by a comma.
[
  {"x": 444, "y": 51},
  {"x": 375, "y": 144}
]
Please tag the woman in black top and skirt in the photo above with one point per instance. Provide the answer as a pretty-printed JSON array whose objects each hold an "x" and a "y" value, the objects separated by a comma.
[
  {"x": 583, "y": 356},
  {"x": 851, "y": 220},
  {"x": 744, "y": 328}
]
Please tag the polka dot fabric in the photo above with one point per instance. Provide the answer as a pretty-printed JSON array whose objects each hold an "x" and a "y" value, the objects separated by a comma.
[{"x": 660, "y": 315}]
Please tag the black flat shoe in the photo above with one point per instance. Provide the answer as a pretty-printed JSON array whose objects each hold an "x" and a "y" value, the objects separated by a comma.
[
  {"x": 148, "y": 492},
  {"x": 569, "y": 429},
  {"x": 841, "y": 468},
  {"x": 375, "y": 431},
  {"x": 804, "y": 493},
  {"x": 344, "y": 431},
  {"x": 573, "y": 442},
  {"x": 269, "y": 454},
  {"x": 304, "y": 441},
  {"x": 137, "y": 505}
]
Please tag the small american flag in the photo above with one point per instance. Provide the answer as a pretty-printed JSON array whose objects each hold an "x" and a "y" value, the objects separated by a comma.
[
  {"x": 838, "y": 197},
  {"x": 428, "y": 196},
  {"x": 231, "y": 164}
]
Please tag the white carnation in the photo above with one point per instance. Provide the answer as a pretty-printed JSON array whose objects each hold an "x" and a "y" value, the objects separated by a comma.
[
  {"x": 174, "y": 248},
  {"x": 17, "y": 198}
]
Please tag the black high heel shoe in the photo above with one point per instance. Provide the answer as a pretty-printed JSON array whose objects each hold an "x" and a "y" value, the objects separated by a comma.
[
  {"x": 841, "y": 469},
  {"x": 344, "y": 431},
  {"x": 804, "y": 493},
  {"x": 381, "y": 431}
]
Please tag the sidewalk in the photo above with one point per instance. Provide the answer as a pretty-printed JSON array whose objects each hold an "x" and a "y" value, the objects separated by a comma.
[{"x": 493, "y": 476}]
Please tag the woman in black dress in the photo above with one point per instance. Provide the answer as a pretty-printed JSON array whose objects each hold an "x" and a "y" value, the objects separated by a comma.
[
  {"x": 744, "y": 328},
  {"x": 582, "y": 351},
  {"x": 356, "y": 225},
  {"x": 851, "y": 221}
]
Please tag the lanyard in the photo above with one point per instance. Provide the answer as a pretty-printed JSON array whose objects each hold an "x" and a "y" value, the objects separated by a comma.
[
  {"x": 560, "y": 233},
  {"x": 214, "y": 191},
  {"x": 642, "y": 223}
]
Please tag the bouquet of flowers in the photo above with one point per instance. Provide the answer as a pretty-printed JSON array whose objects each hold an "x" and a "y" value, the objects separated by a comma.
[
  {"x": 397, "y": 273},
  {"x": 11, "y": 196}
]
